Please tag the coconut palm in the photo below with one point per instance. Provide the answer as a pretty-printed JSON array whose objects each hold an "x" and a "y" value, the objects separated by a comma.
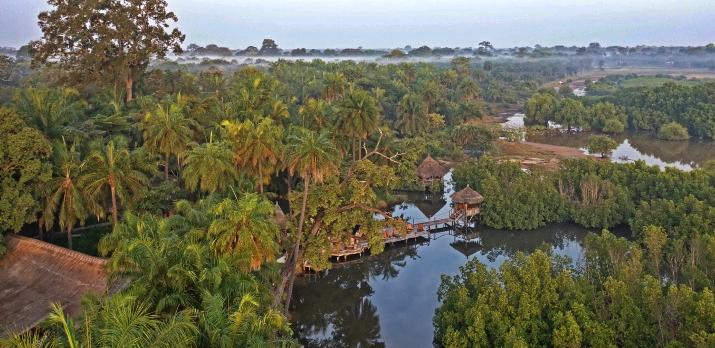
[
  {"x": 313, "y": 156},
  {"x": 246, "y": 227},
  {"x": 118, "y": 172},
  {"x": 64, "y": 193},
  {"x": 256, "y": 146},
  {"x": 358, "y": 117},
  {"x": 168, "y": 131},
  {"x": 53, "y": 111},
  {"x": 411, "y": 115},
  {"x": 209, "y": 167}
]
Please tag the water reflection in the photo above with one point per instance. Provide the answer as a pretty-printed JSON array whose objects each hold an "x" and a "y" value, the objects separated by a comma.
[
  {"x": 633, "y": 146},
  {"x": 389, "y": 299},
  {"x": 684, "y": 155}
]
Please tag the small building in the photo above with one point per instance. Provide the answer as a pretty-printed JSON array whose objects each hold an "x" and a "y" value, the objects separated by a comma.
[
  {"x": 466, "y": 204},
  {"x": 430, "y": 171},
  {"x": 34, "y": 274}
]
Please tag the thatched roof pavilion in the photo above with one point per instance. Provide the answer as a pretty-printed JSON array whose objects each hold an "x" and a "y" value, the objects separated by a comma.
[
  {"x": 430, "y": 169},
  {"x": 34, "y": 274},
  {"x": 467, "y": 196}
]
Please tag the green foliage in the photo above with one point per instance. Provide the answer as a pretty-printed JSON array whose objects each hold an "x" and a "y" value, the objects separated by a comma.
[
  {"x": 613, "y": 126},
  {"x": 210, "y": 258},
  {"x": 540, "y": 108},
  {"x": 513, "y": 199},
  {"x": 475, "y": 138},
  {"x": 24, "y": 171},
  {"x": 673, "y": 131},
  {"x": 570, "y": 113},
  {"x": 209, "y": 167},
  {"x": 537, "y": 300},
  {"x": 116, "y": 47},
  {"x": 601, "y": 144}
]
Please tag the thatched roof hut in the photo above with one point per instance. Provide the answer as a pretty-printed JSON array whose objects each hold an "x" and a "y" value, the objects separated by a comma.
[
  {"x": 280, "y": 217},
  {"x": 430, "y": 169},
  {"x": 467, "y": 196},
  {"x": 34, "y": 274}
]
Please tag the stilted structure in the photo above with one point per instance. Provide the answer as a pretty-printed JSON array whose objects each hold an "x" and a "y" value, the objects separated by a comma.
[
  {"x": 430, "y": 171},
  {"x": 465, "y": 205}
]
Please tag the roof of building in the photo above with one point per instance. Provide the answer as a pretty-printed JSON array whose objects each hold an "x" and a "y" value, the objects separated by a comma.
[
  {"x": 34, "y": 274},
  {"x": 430, "y": 169},
  {"x": 467, "y": 195}
]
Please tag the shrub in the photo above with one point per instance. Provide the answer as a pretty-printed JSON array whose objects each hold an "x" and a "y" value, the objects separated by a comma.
[{"x": 673, "y": 131}]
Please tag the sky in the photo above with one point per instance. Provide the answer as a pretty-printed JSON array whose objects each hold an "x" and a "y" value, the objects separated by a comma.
[{"x": 396, "y": 23}]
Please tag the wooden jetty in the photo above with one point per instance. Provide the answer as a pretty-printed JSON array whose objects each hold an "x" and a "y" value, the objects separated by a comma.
[{"x": 466, "y": 204}]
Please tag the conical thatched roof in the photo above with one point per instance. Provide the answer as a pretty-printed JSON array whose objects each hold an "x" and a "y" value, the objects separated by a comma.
[
  {"x": 467, "y": 195},
  {"x": 430, "y": 169},
  {"x": 467, "y": 248},
  {"x": 34, "y": 274},
  {"x": 280, "y": 217}
]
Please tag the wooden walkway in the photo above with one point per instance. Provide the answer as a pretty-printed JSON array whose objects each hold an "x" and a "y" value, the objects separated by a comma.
[{"x": 419, "y": 230}]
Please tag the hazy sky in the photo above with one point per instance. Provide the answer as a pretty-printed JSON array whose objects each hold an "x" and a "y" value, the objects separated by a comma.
[{"x": 393, "y": 23}]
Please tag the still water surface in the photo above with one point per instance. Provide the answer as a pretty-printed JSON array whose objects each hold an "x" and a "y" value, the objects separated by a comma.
[
  {"x": 389, "y": 299},
  {"x": 633, "y": 146}
]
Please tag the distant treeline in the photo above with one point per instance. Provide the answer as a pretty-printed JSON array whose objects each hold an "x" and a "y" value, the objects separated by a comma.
[{"x": 615, "y": 108}]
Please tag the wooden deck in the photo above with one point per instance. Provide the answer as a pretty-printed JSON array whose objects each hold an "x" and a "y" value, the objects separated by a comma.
[{"x": 418, "y": 230}]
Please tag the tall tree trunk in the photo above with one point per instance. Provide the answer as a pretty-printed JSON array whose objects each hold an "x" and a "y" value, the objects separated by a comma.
[
  {"x": 115, "y": 218},
  {"x": 128, "y": 87},
  {"x": 260, "y": 177},
  {"x": 166, "y": 167},
  {"x": 69, "y": 236},
  {"x": 289, "y": 271}
]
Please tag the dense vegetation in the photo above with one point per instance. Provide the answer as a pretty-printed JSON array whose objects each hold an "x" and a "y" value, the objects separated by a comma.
[
  {"x": 655, "y": 290},
  {"x": 675, "y": 107},
  {"x": 187, "y": 163}
]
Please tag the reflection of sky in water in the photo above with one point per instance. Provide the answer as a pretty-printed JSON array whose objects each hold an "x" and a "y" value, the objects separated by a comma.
[
  {"x": 405, "y": 299},
  {"x": 624, "y": 153}
]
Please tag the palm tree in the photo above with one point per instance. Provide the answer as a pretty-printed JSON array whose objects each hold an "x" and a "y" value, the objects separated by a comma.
[
  {"x": 256, "y": 146},
  {"x": 411, "y": 113},
  {"x": 52, "y": 111},
  {"x": 359, "y": 116},
  {"x": 245, "y": 226},
  {"x": 209, "y": 167},
  {"x": 314, "y": 157},
  {"x": 115, "y": 169},
  {"x": 334, "y": 85},
  {"x": 314, "y": 114},
  {"x": 167, "y": 131},
  {"x": 65, "y": 193}
]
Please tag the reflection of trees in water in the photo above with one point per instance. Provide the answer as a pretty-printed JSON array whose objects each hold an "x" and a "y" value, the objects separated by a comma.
[
  {"x": 687, "y": 152},
  {"x": 334, "y": 309},
  {"x": 497, "y": 243}
]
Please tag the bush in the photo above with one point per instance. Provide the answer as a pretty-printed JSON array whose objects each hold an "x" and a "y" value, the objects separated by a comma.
[
  {"x": 601, "y": 144},
  {"x": 673, "y": 131},
  {"x": 613, "y": 126}
]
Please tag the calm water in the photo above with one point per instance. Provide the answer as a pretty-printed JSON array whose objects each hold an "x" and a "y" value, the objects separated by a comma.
[
  {"x": 390, "y": 299},
  {"x": 685, "y": 155}
]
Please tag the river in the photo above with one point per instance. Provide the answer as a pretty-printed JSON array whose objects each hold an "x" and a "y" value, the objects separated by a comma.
[{"x": 389, "y": 299}]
